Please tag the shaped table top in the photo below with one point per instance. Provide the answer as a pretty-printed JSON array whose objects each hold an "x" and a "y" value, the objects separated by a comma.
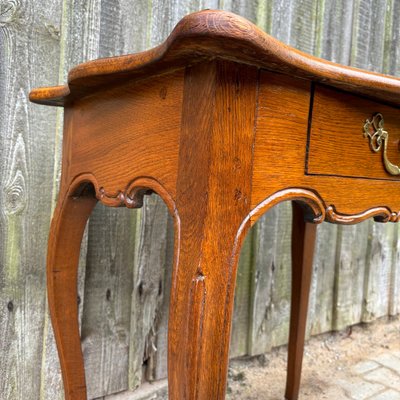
[{"x": 212, "y": 34}]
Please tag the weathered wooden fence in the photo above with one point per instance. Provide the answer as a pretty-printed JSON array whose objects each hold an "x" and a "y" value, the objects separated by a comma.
[{"x": 126, "y": 256}]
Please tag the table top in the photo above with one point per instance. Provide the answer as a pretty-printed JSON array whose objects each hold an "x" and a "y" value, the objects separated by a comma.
[{"x": 211, "y": 34}]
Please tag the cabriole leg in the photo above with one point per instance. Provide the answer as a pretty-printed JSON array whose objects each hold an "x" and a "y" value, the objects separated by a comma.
[
  {"x": 201, "y": 311},
  {"x": 66, "y": 233}
]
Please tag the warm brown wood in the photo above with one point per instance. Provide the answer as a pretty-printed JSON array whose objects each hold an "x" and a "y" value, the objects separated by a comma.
[
  {"x": 216, "y": 141},
  {"x": 209, "y": 34},
  {"x": 303, "y": 243},
  {"x": 74, "y": 206},
  {"x": 337, "y": 143},
  {"x": 223, "y": 122},
  {"x": 280, "y": 156},
  {"x": 143, "y": 119}
]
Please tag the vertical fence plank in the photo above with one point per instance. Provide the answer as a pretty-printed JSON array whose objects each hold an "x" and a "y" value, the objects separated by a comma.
[
  {"x": 297, "y": 23},
  {"x": 148, "y": 291},
  {"x": 378, "y": 272},
  {"x": 332, "y": 43},
  {"x": 368, "y": 46},
  {"x": 106, "y": 326},
  {"x": 78, "y": 20},
  {"x": 352, "y": 249},
  {"x": 108, "y": 287},
  {"x": 394, "y": 302},
  {"x": 336, "y": 33},
  {"x": 270, "y": 296},
  {"x": 241, "y": 315},
  {"x": 380, "y": 278},
  {"x": 158, "y": 362},
  {"x": 149, "y": 316},
  {"x": 29, "y": 38},
  {"x": 321, "y": 295},
  {"x": 151, "y": 264},
  {"x": 391, "y": 65}
]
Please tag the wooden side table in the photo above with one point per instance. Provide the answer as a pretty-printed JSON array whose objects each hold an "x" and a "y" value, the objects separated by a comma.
[{"x": 223, "y": 122}]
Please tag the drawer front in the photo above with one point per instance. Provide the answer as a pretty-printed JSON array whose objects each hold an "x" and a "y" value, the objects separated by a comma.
[{"x": 337, "y": 141}]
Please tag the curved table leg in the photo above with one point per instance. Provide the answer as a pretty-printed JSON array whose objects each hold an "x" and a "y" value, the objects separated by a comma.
[
  {"x": 303, "y": 244},
  {"x": 200, "y": 312},
  {"x": 66, "y": 232}
]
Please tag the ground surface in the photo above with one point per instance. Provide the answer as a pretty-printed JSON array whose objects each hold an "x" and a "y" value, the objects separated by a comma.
[
  {"x": 363, "y": 363},
  {"x": 360, "y": 364}
]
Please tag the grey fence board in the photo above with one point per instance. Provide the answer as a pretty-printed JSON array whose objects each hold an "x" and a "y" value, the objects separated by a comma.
[
  {"x": 29, "y": 54},
  {"x": 335, "y": 29},
  {"x": 270, "y": 307},
  {"x": 394, "y": 305}
]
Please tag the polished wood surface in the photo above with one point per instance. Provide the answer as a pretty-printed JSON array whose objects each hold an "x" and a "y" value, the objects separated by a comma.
[
  {"x": 209, "y": 34},
  {"x": 215, "y": 143},
  {"x": 337, "y": 145},
  {"x": 65, "y": 237},
  {"x": 223, "y": 122},
  {"x": 303, "y": 243}
]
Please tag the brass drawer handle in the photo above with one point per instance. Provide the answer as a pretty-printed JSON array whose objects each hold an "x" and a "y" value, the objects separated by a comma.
[{"x": 377, "y": 135}]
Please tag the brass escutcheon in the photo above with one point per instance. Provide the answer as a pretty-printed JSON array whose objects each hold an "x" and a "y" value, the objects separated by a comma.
[{"x": 377, "y": 135}]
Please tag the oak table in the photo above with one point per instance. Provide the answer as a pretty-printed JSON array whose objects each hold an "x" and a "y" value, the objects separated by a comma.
[{"x": 223, "y": 122}]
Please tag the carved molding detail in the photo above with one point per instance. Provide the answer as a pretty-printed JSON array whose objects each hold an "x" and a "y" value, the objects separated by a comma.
[
  {"x": 317, "y": 211},
  {"x": 380, "y": 214},
  {"x": 315, "y": 205},
  {"x": 130, "y": 197}
]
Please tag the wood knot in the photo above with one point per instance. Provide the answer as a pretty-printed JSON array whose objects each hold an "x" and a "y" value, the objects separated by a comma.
[
  {"x": 163, "y": 92},
  {"x": 238, "y": 194},
  {"x": 237, "y": 164},
  {"x": 53, "y": 31},
  {"x": 15, "y": 196},
  {"x": 9, "y": 12},
  {"x": 140, "y": 289}
]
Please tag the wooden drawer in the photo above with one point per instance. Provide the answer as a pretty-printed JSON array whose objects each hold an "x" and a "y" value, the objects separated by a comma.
[{"x": 337, "y": 144}]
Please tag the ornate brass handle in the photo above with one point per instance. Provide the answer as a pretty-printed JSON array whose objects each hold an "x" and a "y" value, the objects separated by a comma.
[{"x": 377, "y": 135}]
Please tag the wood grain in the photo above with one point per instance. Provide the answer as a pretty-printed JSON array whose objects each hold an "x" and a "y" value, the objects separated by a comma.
[
  {"x": 78, "y": 36},
  {"x": 149, "y": 316},
  {"x": 210, "y": 34},
  {"x": 122, "y": 195},
  {"x": 97, "y": 29},
  {"x": 288, "y": 167},
  {"x": 215, "y": 143},
  {"x": 303, "y": 243},
  {"x": 337, "y": 145},
  {"x": 100, "y": 117},
  {"x": 65, "y": 238},
  {"x": 85, "y": 30},
  {"x": 28, "y": 40}
]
